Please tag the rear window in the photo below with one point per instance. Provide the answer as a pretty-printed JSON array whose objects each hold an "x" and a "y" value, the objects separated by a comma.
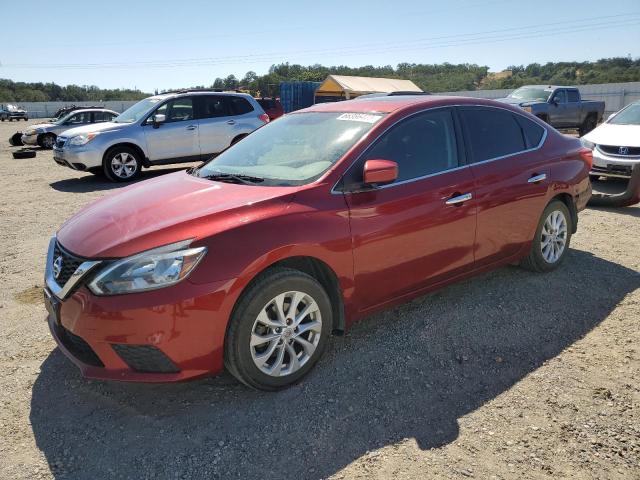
[
  {"x": 573, "y": 95},
  {"x": 239, "y": 106},
  {"x": 492, "y": 133}
]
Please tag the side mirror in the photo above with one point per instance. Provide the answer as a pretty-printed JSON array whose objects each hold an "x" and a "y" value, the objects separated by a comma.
[
  {"x": 611, "y": 116},
  {"x": 554, "y": 102},
  {"x": 379, "y": 172},
  {"x": 157, "y": 119}
]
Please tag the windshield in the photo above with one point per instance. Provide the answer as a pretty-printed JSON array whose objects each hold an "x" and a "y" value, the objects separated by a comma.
[
  {"x": 294, "y": 150},
  {"x": 532, "y": 94},
  {"x": 628, "y": 116},
  {"x": 137, "y": 111},
  {"x": 63, "y": 118}
]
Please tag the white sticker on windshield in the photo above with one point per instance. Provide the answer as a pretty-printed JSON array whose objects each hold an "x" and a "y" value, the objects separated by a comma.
[{"x": 360, "y": 117}]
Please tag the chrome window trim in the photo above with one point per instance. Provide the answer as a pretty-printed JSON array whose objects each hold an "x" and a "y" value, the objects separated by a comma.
[
  {"x": 417, "y": 179},
  {"x": 63, "y": 291}
]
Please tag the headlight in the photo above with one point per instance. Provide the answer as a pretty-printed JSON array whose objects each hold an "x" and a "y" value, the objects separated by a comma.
[
  {"x": 31, "y": 131},
  {"x": 157, "y": 268},
  {"x": 527, "y": 109},
  {"x": 82, "y": 139},
  {"x": 587, "y": 144}
]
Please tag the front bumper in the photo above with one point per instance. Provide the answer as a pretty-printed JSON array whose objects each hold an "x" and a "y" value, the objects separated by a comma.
[
  {"x": 30, "y": 139},
  {"x": 167, "y": 335},
  {"x": 613, "y": 166},
  {"x": 77, "y": 158}
]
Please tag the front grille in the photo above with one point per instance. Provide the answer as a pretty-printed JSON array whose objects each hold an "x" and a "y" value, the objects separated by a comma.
[
  {"x": 69, "y": 264},
  {"x": 78, "y": 347},
  {"x": 145, "y": 358},
  {"x": 615, "y": 150}
]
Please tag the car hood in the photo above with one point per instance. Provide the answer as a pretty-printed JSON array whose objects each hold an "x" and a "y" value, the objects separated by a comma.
[
  {"x": 615, "y": 135},
  {"x": 44, "y": 126},
  {"x": 95, "y": 127},
  {"x": 164, "y": 210}
]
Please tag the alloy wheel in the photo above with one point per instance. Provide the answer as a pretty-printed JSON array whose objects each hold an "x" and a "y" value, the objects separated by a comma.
[
  {"x": 124, "y": 165},
  {"x": 286, "y": 333},
  {"x": 554, "y": 236}
]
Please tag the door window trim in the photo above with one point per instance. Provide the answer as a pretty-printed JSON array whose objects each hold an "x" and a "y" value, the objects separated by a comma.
[{"x": 463, "y": 154}]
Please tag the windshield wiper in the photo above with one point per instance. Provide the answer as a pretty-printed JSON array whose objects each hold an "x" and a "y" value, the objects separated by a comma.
[{"x": 233, "y": 178}]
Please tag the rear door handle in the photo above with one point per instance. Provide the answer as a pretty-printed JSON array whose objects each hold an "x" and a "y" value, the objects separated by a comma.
[
  {"x": 192, "y": 127},
  {"x": 537, "y": 178},
  {"x": 458, "y": 199},
  {"x": 231, "y": 122}
]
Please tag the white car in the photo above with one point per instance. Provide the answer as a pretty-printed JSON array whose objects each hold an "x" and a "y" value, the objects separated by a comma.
[
  {"x": 616, "y": 143},
  {"x": 45, "y": 134}
]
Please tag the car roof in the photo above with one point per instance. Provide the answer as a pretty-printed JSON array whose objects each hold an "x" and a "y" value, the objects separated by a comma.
[
  {"x": 80, "y": 110},
  {"x": 548, "y": 86},
  {"x": 182, "y": 93},
  {"x": 395, "y": 103}
]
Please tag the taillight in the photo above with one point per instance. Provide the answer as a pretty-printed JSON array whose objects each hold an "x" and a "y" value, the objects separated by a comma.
[
  {"x": 264, "y": 117},
  {"x": 587, "y": 156}
]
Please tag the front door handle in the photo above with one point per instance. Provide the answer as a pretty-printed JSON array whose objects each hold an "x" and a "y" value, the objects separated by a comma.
[
  {"x": 458, "y": 199},
  {"x": 537, "y": 178},
  {"x": 231, "y": 122},
  {"x": 192, "y": 127}
]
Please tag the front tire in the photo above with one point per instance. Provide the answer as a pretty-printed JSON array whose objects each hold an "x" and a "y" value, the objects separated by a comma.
[
  {"x": 551, "y": 240},
  {"x": 46, "y": 141},
  {"x": 279, "y": 329},
  {"x": 122, "y": 164}
]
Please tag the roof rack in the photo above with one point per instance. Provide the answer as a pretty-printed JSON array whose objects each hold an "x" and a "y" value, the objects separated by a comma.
[{"x": 193, "y": 90}]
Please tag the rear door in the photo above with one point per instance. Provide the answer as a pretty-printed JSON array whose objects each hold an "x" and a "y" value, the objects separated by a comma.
[
  {"x": 177, "y": 137},
  {"x": 511, "y": 179},
  {"x": 215, "y": 122},
  {"x": 406, "y": 235}
]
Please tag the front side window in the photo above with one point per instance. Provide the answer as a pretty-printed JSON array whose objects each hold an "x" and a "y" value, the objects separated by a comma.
[
  {"x": 295, "y": 150},
  {"x": 560, "y": 96},
  {"x": 79, "y": 118},
  {"x": 492, "y": 133},
  {"x": 421, "y": 145},
  {"x": 177, "y": 110}
]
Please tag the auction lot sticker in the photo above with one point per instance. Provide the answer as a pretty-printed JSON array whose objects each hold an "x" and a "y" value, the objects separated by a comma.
[{"x": 360, "y": 117}]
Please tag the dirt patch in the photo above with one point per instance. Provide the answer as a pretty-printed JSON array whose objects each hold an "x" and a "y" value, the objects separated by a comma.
[{"x": 30, "y": 296}]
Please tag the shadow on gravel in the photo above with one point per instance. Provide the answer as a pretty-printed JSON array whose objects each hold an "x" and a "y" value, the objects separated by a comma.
[
  {"x": 94, "y": 183},
  {"x": 410, "y": 372}
]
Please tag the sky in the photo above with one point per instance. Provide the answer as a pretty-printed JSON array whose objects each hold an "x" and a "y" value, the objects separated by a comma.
[{"x": 167, "y": 44}]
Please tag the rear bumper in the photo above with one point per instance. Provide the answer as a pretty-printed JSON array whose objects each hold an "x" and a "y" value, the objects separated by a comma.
[{"x": 149, "y": 337}]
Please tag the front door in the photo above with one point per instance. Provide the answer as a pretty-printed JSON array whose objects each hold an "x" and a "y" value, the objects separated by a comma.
[
  {"x": 559, "y": 110},
  {"x": 408, "y": 234},
  {"x": 177, "y": 137}
]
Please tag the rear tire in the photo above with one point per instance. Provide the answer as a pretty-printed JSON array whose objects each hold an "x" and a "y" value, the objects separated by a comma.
[
  {"x": 551, "y": 241},
  {"x": 295, "y": 330},
  {"x": 589, "y": 124},
  {"x": 122, "y": 164}
]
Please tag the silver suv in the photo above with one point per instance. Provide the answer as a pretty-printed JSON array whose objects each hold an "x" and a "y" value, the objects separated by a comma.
[
  {"x": 45, "y": 134},
  {"x": 174, "y": 127}
]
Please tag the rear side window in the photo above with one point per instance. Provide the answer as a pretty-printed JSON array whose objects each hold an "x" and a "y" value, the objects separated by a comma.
[
  {"x": 239, "y": 105},
  {"x": 492, "y": 133},
  {"x": 213, "y": 106},
  {"x": 573, "y": 95},
  {"x": 421, "y": 145},
  {"x": 532, "y": 131}
]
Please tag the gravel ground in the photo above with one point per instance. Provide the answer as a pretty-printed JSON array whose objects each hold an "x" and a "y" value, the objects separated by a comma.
[{"x": 510, "y": 375}]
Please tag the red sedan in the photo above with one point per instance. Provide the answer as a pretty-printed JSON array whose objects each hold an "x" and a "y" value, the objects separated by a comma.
[{"x": 312, "y": 222}]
